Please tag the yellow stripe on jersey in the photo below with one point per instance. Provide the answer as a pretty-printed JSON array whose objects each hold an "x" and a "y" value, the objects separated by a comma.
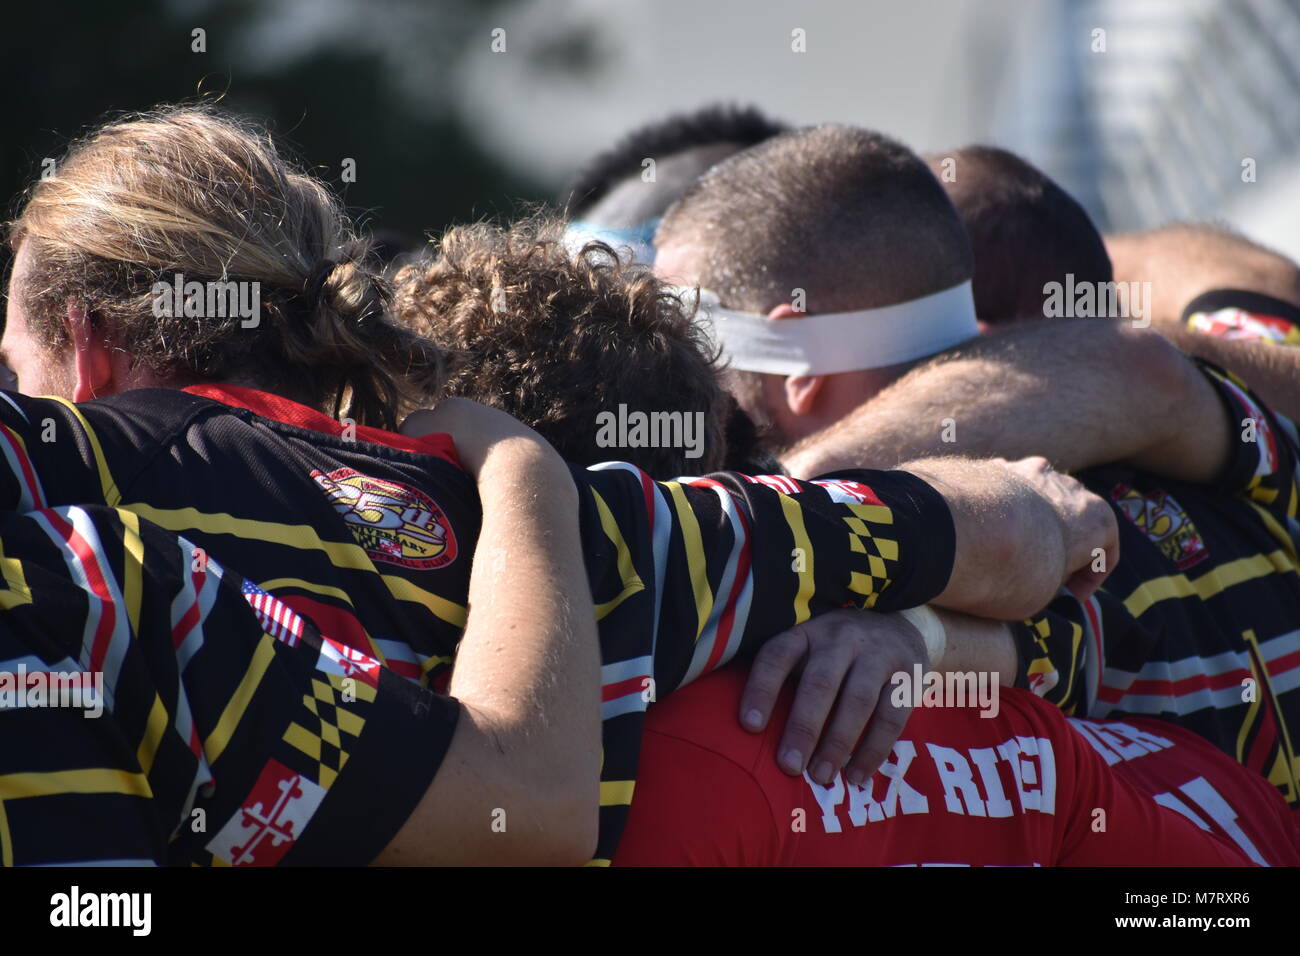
[
  {"x": 299, "y": 584},
  {"x": 1207, "y": 585},
  {"x": 155, "y": 729},
  {"x": 132, "y": 566},
  {"x": 632, "y": 583},
  {"x": 877, "y": 514},
  {"x": 1076, "y": 636},
  {"x": 807, "y": 583},
  {"x": 1276, "y": 530},
  {"x": 429, "y": 663},
  {"x": 16, "y": 593},
  {"x": 448, "y": 611},
  {"x": 616, "y": 792},
  {"x": 112, "y": 497},
  {"x": 304, "y": 538},
  {"x": 6, "y": 841},
  {"x": 15, "y": 786},
  {"x": 1252, "y": 712},
  {"x": 1286, "y": 772},
  {"x": 696, "y": 564},
  {"x": 216, "y": 742}
]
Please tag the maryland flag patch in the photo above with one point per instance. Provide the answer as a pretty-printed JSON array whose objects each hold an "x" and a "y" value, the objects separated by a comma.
[
  {"x": 1246, "y": 326},
  {"x": 1164, "y": 521},
  {"x": 395, "y": 523}
]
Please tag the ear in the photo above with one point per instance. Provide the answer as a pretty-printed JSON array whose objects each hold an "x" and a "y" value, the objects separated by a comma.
[
  {"x": 800, "y": 390},
  {"x": 95, "y": 365}
]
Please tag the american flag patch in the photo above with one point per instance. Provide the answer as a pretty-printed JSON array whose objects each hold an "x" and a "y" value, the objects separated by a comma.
[{"x": 277, "y": 618}]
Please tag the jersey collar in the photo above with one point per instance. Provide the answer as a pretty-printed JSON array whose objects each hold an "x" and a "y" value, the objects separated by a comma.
[{"x": 280, "y": 409}]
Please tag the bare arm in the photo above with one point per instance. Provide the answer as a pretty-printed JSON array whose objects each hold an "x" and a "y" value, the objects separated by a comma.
[
  {"x": 1022, "y": 532},
  {"x": 1184, "y": 260},
  {"x": 1272, "y": 371},
  {"x": 526, "y": 752},
  {"x": 1079, "y": 393},
  {"x": 977, "y": 644}
]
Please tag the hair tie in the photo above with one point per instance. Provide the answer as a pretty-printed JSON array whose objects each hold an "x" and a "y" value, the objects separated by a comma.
[{"x": 316, "y": 279}]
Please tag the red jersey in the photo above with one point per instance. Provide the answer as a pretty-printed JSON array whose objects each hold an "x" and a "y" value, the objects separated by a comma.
[
  {"x": 1187, "y": 773},
  {"x": 1018, "y": 789}
]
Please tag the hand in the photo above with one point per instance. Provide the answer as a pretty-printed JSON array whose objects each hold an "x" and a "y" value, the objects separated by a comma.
[
  {"x": 479, "y": 432},
  {"x": 1088, "y": 523},
  {"x": 848, "y": 658}
]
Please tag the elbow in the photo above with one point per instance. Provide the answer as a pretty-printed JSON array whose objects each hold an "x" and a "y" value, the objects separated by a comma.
[
  {"x": 580, "y": 828},
  {"x": 565, "y": 832},
  {"x": 1156, "y": 361}
]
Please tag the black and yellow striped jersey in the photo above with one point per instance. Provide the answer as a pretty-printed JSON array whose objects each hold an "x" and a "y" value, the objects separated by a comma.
[
  {"x": 359, "y": 543},
  {"x": 1200, "y": 621}
]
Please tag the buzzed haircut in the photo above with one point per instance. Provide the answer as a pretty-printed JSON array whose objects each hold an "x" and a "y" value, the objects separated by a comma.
[
  {"x": 708, "y": 134},
  {"x": 852, "y": 218},
  {"x": 1025, "y": 231}
]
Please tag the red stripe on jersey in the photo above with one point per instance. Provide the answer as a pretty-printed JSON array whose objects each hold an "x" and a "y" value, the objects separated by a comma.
[
  {"x": 289, "y": 412},
  {"x": 190, "y": 619},
  {"x": 648, "y": 489},
  {"x": 408, "y": 669},
  {"x": 25, "y": 463},
  {"x": 84, "y": 555},
  {"x": 633, "y": 685},
  {"x": 1179, "y": 688},
  {"x": 728, "y": 619}
]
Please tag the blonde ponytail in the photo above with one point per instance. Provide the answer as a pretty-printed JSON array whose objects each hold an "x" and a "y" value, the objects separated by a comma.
[{"x": 189, "y": 192}]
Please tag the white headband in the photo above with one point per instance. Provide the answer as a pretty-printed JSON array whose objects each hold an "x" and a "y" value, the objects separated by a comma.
[{"x": 840, "y": 341}]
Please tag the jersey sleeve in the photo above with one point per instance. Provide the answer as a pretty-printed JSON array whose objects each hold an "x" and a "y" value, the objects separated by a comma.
[
  {"x": 1063, "y": 651},
  {"x": 159, "y": 709},
  {"x": 1263, "y": 455},
  {"x": 50, "y": 454},
  {"x": 1245, "y": 316},
  {"x": 721, "y": 563}
]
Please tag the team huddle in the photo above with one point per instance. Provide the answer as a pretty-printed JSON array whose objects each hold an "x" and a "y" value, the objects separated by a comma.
[{"x": 613, "y": 534}]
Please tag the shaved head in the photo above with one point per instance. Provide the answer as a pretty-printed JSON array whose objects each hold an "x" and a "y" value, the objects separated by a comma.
[{"x": 853, "y": 218}]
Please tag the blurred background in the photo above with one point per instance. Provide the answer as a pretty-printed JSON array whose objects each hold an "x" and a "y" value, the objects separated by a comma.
[{"x": 1147, "y": 110}]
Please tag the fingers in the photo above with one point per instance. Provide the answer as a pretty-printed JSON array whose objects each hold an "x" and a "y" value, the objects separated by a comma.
[
  {"x": 818, "y": 688},
  {"x": 853, "y": 709},
  {"x": 887, "y": 723},
  {"x": 771, "y": 668}
]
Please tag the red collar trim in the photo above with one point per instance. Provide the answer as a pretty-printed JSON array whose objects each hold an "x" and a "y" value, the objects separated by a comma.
[{"x": 281, "y": 409}]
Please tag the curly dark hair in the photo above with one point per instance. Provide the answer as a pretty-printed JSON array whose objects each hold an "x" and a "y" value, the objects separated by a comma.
[{"x": 557, "y": 337}]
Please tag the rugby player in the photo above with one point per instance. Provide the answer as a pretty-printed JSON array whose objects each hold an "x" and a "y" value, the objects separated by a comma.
[
  {"x": 620, "y": 195},
  {"x": 193, "y": 307},
  {"x": 1213, "y": 293},
  {"x": 1221, "y": 297},
  {"x": 713, "y": 794},
  {"x": 1197, "y": 624},
  {"x": 1025, "y": 231}
]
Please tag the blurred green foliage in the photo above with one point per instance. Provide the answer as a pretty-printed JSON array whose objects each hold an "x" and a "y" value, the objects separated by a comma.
[{"x": 65, "y": 66}]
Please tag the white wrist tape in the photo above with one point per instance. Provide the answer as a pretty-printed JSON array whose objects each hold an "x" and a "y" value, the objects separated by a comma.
[{"x": 932, "y": 631}]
